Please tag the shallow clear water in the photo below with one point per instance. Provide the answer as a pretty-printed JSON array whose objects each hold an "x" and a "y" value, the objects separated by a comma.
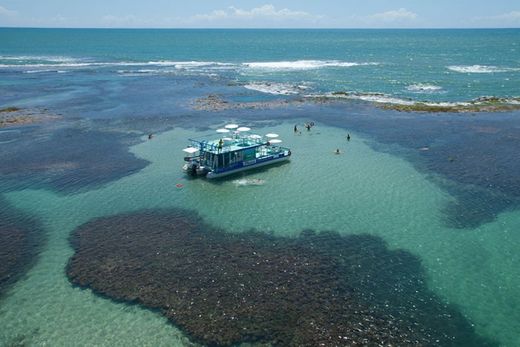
[{"x": 359, "y": 191}]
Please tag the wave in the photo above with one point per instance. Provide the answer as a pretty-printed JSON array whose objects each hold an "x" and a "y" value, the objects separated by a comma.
[
  {"x": 423, "y": 88},
  {"x": 39, "y": 58},
  {"x": 44, "y": 70},
  {"x": 59, "y": 62},
  {"x": 480, "y": 68},
  {"x": 302, "y": 64},
  {"x": 75, "y": 64},
  {"x": 276, "y": 88},
  {"x": 190, "y": 64}
]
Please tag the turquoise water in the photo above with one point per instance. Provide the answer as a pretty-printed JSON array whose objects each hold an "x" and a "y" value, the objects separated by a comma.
[
  {"x": 399, "y": 65},
  {"x": 359, "y": 191},
  {"x": 443, "y": 187}
]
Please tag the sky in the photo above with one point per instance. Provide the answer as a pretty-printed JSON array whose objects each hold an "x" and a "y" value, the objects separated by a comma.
[{"x": 260, "y": 14}]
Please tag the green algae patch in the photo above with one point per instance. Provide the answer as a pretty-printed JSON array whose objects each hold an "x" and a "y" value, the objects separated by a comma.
[
  {"x": 466, "y": 108},
  {"x": 9, "y": 109},
  {"x": 15, "y": 116}
]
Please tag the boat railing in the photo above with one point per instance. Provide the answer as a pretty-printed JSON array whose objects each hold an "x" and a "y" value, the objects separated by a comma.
[{"x": 213, "y": 146}]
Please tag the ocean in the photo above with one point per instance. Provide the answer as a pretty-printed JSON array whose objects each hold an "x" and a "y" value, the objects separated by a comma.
[{"x": 415, "y": 224}]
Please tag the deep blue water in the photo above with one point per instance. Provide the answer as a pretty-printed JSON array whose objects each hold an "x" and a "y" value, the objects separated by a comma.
[{"x": 398, "y": 65}]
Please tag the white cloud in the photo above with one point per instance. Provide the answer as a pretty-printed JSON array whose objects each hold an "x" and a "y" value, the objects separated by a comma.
[
  {"x": 400, "y": 15},
  {"x": 6, "y": 12},
  {"x": 266, "y": 12}
]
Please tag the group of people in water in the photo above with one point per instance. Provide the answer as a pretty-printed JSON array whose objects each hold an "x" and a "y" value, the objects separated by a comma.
[
  {"x": 337, "y": 149},
  {"x": 309, "y": 125}
]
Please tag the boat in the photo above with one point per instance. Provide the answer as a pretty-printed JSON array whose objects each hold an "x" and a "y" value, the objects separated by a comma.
[{"x": 235, "y": 150}]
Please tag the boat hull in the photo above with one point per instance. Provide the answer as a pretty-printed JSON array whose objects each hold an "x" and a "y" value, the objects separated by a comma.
[{"x": 212, "y": 174}]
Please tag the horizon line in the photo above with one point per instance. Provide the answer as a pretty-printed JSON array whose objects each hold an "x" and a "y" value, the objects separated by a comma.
[{"x": 261, "y": 28}]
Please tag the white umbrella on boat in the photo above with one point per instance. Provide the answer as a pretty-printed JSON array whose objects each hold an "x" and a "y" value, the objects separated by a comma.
[
  {"x": 190, "y": 150},
  {"x": 222, "y": 130},
  {"x": 275, "y": 141},
  {"x": 255, "y": 136},
  {"x": 243, "y": 129},
  {"x": 227, "y": 139},
  {"x": 271, "y": 135},
  {"x": 231, "y": 126}
]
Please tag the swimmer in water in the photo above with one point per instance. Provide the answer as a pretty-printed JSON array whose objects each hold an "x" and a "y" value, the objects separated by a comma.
[{"x": 337, "y": 151}]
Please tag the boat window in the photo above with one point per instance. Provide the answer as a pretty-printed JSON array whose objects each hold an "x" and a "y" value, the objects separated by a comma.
[
  {"x": 226, "y": 158},
  {"x": 249, "y": 154}
]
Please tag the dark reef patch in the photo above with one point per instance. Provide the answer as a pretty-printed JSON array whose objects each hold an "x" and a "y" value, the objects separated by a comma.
[
  {"x": 222, "y": 289},
  {"x": 20, "y": 239},
  {"x": 68, "y": 159}
]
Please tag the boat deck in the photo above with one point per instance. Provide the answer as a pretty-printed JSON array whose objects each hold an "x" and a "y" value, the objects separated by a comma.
[{"x": 228, "y": 145}]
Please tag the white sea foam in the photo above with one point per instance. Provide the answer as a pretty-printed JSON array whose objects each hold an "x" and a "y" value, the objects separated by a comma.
[
  {"x": 29, "y": 62},
  {"x": 43, "y": 71},
  {"x": 276, "y": 88},
  {"x": 383, "y": 99},
  {"x": 187, "y": 64},
  {"x": 302, "y": 64},
  {"x": 423, "y": 88},
  {"x": 143, "y": 72},
  {"x": 248, "y": 182},
  {"x": 33, "y": 64},
  {"x": 50, "y": 59},
  {"x": 480, "y": 68}
]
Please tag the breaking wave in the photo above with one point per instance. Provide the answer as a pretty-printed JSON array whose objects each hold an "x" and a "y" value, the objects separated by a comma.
[
  {"x": 480, "y": 68},
  {"x": 45, "y": 62},
  {"x": 423, "y": 88},
  {"x": 302, "y": 64},
  {"x": 276, "y": 88}
]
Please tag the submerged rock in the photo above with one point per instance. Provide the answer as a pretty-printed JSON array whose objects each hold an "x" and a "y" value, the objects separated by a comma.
[
  {"x": 70, "y": 159},
  {"x": 14, "y": 116},
  {"x": 20, "y": 238},
  {"x": 223, "y": 289}
]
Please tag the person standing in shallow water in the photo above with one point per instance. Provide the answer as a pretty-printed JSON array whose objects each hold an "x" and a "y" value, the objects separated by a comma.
[
  {"x": 348, "y": 137},
  {"x": 295, "y": 128}
]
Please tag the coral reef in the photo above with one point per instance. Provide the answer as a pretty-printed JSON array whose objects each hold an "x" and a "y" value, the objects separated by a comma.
[{"x": 223, "y": 289}]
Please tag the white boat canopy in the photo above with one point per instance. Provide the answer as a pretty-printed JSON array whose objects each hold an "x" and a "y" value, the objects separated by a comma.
[
  {"x": 231, "y": 126},
  {"x": 222, "y": 130},
  {"x": 275, "y": 141},
  {"x": 271, "y": 135},
  {"x": 190, "y": 150},
  {"x": 243, "y": 129}
]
